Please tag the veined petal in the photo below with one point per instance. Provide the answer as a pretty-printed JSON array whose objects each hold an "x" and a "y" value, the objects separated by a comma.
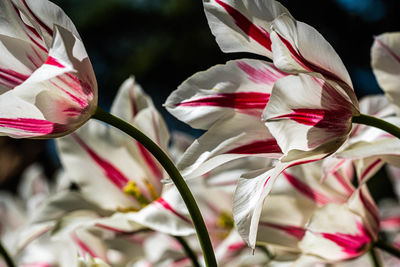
[
  {"x": 236, "y": 137},
  {"x": 242, "y": 86},
  {"x": 253, "y": 188},
  {"x": 305, "y": 112},
  {"x": 111, "y": 164},
  {"x": 283, "y": 219},
  {"x": 248, "y": 200},
  {"x": 385, "y": 60},
  {"x": 298, "y": 47},
  {"x": 58, "y": 97},
  {"x": 243, "y": 26},
  {"x": 43, "y": 15},
  {"x": 167, "y": 214},
  {"x": 362, "y": 203},
  {"x": 136, "y": 107},
  {"x": 335, "y": 233}
]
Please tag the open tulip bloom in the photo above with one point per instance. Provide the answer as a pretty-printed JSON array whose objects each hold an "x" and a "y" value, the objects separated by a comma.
[
  {"x": 297, "y": 109},
  {"x": 47, "y": 84},
  {"x": 264, "y": 119}
]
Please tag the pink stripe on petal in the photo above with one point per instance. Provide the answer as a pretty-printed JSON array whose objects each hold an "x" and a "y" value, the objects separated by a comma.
[
  {"x": 240, "y": 100},
  {"x": 40, "y": 22},
  {"x": 82, "y": 245},
  {"x": 54, "y": 62},
  {"x": 110, "y": 171},
  {"x": 12, "y": 76},
  {"x": 36, "y": 264},
  {"x": 150, "y": 162},
  {"x": 392, "y": 222},
  {"x": 236, "y": 246},
  {"x": 161, "y": 201},
  {"x": 112, "y": 229},
  {"x": 369, "y": 169},
  {"x": 291, "y": 230},
  {"x": 352, "y": 245},
  {"x": 258, "y": 147},
  {"x": 311, "y": 66},
  {"x": 307, "y": 191},
  {"x": 36, "y": 126},
  {"x": 258, "y": 34},
  {"x": 389, "y": 50},
  {"x": 345, "y": 185},
  {"x": 334, "y": 120},
  {"x": 261, "y": 76},
  {"x": 41, "y": 47},
  {"x": 370, "y": 206}
]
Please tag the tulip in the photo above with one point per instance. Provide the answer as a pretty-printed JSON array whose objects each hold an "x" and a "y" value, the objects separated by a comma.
[{"x": 47, "y": 84}]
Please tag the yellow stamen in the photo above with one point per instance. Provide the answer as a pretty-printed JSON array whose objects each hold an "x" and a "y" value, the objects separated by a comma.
[
  {"x": 131, "y": 189},
  {"x": 225, "y": 220},
  {"x": 151, "y": 189}
]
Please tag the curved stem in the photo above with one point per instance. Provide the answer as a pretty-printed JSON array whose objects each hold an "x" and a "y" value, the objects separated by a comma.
[
  {"x": 378, "y": 123},
  {"x": 388, "y": 248},
  {"x": 375, "y": 258},
  {"x": 173, "y": 173},
  {"x": 188, "y": 250},
  {"x": 6, "y": 256}
]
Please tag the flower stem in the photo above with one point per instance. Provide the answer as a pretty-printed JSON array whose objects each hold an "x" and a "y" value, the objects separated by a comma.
[
  {"x": 378, "y": 123},
  {"x": 188, "y": 250},
  {"x": 173, "y": 173},
  {"x": 388, "y": 248},
  {"x": 6, "y": 256},
  {"x": 375, "y": 257}
]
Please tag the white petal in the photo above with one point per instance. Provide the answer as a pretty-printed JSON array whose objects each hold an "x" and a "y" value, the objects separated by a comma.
[
  {"x": 243, "y": 26},
  {"x": 335, "y": 233},
  {"x": 385, "y": 60},
  {"x": 238, "y": 86},
  {"x": 298, "y": 47},
  {"x": 236, "y": 137},
  {"x": 167, "y": 214},
  {"x": 305, "y": 112}
]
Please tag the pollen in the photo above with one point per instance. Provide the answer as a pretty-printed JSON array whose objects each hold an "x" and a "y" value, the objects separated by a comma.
[
  {"x": 225, "y": 220},
  {"x": 151, "y": 189},
  {"x": 131, "y": 189}
]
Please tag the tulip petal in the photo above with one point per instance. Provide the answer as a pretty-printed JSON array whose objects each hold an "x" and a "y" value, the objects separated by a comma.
[
  {"x": 242, "y": 86},
  {"x": 134, "y": 106},
  {"x": 305, "y": 112},
  {"x": 335, "y": 233},
  {"x": 167, "y": 214},
  {"x": 298, "y": 47},
  {"x": 282, "y": 220},
  {"x": 242, "y": 26},
  {"x": 385, "y": 60},
  {"x": 236, "y": 137}
]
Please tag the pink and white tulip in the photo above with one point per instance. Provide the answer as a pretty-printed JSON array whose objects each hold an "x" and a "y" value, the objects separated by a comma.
[
  {"x": 47, "y": 84},
  {"x": 385, "y": 61},
  {"x": 120, "y": 175},
  {"x": 305, "y": 99},
  {"x": 331, "y": 220}
]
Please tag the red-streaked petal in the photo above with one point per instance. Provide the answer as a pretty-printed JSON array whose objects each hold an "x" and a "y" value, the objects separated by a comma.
[
  {"x": 305, "y": 112},
  {"x": 385, "y": 61},
  {"x": 236, "y": 137},
  {"x": 243, "y": 26},
  {"x": 240, "y": 86}
]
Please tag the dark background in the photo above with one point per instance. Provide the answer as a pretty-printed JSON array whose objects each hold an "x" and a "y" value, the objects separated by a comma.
[{"x": 162, "y": 42}]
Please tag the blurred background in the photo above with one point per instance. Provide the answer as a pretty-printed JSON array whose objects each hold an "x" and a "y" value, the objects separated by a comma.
[{"x": 163, "y": 42}]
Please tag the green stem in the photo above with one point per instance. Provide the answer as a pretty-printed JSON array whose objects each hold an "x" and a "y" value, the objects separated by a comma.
[
  {"x": 6, "y": 256},
  {"x": 378, "y": 123},
  {"x": 388, "y": 248},
  {"x": 188, "y": 250},
  {"x": 173, "y": 173},
  {"x": 375, "y": 258}
]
